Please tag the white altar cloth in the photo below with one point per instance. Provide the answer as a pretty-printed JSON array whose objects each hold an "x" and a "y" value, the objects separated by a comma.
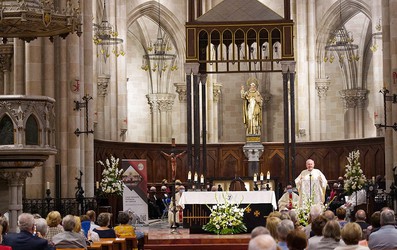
[{"x": 243, "y": 197}]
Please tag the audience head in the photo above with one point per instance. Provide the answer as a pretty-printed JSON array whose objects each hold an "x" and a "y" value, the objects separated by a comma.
[
  {"x": 4, "y": 224},
  {"x": 315, "y": 211},
  {"x": 387, "y": 217},
  {"x": 341, "y": 213},
  {"x": 258, "y": 231},
  {"x": 214, "y": 188},
  {"x": 36, "y": 216},
  {"x": 181, "y": 189},
  {"x": 329, "y": 215},
  {"x": 375, "y": 219},
  {"x": 41, "y": 226},
  {"x": 123, "y": 218},
  {"x": 77, "y": 226},
  {"x": 68, "y": 223},
  {"x": 332, "y": 230},
  {"x": 104, "y": 219},
  {"x": 26, "y": 222},
  {"x": 53, "y": 219},
  {"x": 84, "y": 217},
  {"x": 285, "y": 216},
  {"x": 274, "y": 214},
  {"x": 152, "y": 189},
  {"x": 92, "y": 215},
  {"x": 293, "y": 216},
  {"x": 283, "y": 229},
  {"x": 296, "y": 240},
  {"x": 163, "y": 188},
  {"x": 271, "y": 225},
  {"x": 318, "y": 225},
  {"x": 262, "y": 242},
  {"x": 351, "y": 233},
  {"x": 360, "y": 215}
]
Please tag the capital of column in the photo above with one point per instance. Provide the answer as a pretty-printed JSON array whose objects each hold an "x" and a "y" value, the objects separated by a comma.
[
  {"x": 322, "y": 86},
  {"x": 216, "y": 91},
  {"x": 253, "y": 150},
  {"x": 288, "y": 66},
  {"x": 191, "y": 68},
  {"x": 354, "y": 98},
  {"x": 6, "y": 52},
  {"x": 181, "y": 90},
  {"x": 16, "y": 176},
  {"x": 102, "y": 84},
  {"x": 160, "y": 102}
]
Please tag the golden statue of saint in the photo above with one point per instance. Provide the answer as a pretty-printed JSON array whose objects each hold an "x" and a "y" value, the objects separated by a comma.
[{"x": 252, "y": 107}]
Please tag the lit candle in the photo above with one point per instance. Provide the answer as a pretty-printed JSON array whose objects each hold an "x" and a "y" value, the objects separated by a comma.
[
  {"x": 268, "y": 175},
  {"x": 189, "y": 175},
  {"x": 97, "y": 185},
  {"x": 195, "y": 177},
  {"x": 48, "y": 185},
  {"x": 373, "y": 179},
  {"x": 261, "y": 176},
  {"x": 202, "y": 179},
  {"x": 255, "y": 178}
]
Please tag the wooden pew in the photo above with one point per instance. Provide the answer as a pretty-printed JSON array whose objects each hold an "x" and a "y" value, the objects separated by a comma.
[
  {"x": 69, "y": 248},
  {"x": 95, "y": 246},
  {"x": 118, "y": 243},
  {"x": 106, "y": 244},
  {"x": 132, "y": 242}
]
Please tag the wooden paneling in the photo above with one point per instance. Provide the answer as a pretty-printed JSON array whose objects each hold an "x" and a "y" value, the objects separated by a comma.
[{"x": 228, "y": 160}]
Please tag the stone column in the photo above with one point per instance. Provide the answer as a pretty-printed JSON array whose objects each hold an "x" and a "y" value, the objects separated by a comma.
[
  {"x": 213, "y": 133},
  {"x": 16, "y": 179},
  {"x": 6, "y": 53},
  {"x": 102, "y": 91},
  {"x": 19, "y": 67},
  {"x": 181, "y": 122},
  {"x": 354, "y": 102},
  {"x": 161, "y": 110},
  {"x": 322, "y": 86}
]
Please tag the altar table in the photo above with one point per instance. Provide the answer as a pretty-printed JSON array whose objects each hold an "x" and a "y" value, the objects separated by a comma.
[{"x": 196, "y": 213}]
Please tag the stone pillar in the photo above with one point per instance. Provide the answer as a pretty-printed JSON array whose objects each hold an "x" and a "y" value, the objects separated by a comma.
[
  {"x": 6, "y": 53},
  {"x": 213, "y": 133},
  {"x": 19, "y": 67},
  {"x": 322, "y": 86},
  {"x": 16, "y": 179},
  {"x": 253, "y": 150},
  {"x": 181, "y": 122},
  {"x": 161, "y": 110},
  {"x": 354, "y": 101},
  {"x": 102, "y": 91}
]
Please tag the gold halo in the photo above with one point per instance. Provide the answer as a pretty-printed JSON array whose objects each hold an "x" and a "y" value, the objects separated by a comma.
[{"x": 252, "y": 80}]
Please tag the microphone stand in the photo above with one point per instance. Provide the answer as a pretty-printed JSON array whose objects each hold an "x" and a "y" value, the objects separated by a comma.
[{"x": 310, "y": 185}]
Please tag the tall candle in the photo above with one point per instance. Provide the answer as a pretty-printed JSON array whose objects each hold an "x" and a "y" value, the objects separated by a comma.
[
  {"x": 195, "y": 177},
  {"x": 255, "y": 178},
  {"x": 97, "y": 185},
  {"x": 189, "y": 175},
  {"x": 261, "y": 176},
  {"x": 202, "y": 179},
  {"x": 48, "y": 185},
  {"x": 268, "y": 175}
]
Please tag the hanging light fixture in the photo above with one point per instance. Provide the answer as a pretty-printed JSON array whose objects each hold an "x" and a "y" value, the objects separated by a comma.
[
  {"x": 376, "y": 36},
  {"x": 29, "y": 19},
  {"x": 158, "y": 59},
  {"x": 106, "y": 38},
  {"x": 341, "y": 43}
]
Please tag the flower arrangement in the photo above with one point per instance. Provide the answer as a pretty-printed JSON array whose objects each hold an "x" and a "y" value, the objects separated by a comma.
[
  {"x": 226, "y": 218},
  {"x": 303, "y": 211},
  {"x": 111, "y": 182},
  {"x": 354, "y": 177}
]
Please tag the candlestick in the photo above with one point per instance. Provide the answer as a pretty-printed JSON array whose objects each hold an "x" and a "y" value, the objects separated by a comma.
[
  {"x": 97, "y": 185},
  {"x": 189, "y": 176},
  {"x": 268, "y": 175},
  {"x": 195, "y": 177},
  {"x": 261, "y": 176},
  {"x": 48, "y": 185},
  {"x": 255, "y": 178},
  {"x": 202, "y": 179}
]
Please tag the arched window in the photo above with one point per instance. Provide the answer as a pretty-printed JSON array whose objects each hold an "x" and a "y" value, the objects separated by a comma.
[
  {"x": 32, "y": 131},
  {"x": 6, "y": 131}
]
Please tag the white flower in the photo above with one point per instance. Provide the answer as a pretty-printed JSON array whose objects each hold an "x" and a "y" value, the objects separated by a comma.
[{"x": 111, "y": 182}]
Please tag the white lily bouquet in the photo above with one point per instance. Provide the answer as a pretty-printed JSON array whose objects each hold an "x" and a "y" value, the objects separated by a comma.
[
  {"x": 354, "y": 177},
  {"x": 111, "y": 182},
  {"x": 226, "y": 218}
]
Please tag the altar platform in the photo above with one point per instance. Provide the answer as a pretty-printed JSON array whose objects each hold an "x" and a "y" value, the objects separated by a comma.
[{"x": 160, "y": 236}]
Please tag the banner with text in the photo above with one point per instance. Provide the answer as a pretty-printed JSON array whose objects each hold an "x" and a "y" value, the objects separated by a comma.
[{"x": 135, "y": 187}]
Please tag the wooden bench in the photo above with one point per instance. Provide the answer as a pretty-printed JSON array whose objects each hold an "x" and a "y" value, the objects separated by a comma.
[
  {"x": 118, "y": 243},
  {"x": 216, "y": 246},
  {"x": 95, "y": 246},
  {"x": 132, "y": 242}
]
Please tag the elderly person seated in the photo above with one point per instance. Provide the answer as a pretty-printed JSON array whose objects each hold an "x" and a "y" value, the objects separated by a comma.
[
  {"x": 296, "y": 240},
  {"x": 331, "y": 236},
  {"x": 103, "y": 230},
  {"x": 288, "y": 200},
  {"x": 54, "y": 224},
  {"x": 69, "y": 238},
  {"x": 25, "y": 239},
  {"x": 351, "y": 235},
  {"x": 262, "y": 242}
]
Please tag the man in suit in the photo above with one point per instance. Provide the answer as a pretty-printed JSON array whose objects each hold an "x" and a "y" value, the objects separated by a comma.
[{"x": 25, "y": 238}]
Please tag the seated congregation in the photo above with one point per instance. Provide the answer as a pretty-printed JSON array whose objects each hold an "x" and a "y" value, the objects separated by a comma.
[{"x": 79, "y": 232}]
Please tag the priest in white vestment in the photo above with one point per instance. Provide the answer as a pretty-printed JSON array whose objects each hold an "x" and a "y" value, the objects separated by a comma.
[{"x": 311, "y": 183}]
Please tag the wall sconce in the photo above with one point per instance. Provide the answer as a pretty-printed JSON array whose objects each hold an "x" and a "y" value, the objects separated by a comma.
[
  {"x": 393, "y": 99},
  {"x": 78, "y": 107}
]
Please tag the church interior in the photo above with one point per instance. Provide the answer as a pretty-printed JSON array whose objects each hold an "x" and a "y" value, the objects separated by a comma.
[{"x": 136, "y": 78}]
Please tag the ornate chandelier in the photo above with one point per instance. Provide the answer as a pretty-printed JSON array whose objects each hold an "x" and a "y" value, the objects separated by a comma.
[
  {"x": 29, "y": 19},
  {"x": 341, "y": 44},
  {"x": 106, "y": 38},
  {"x": 158, "y": 59}
]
